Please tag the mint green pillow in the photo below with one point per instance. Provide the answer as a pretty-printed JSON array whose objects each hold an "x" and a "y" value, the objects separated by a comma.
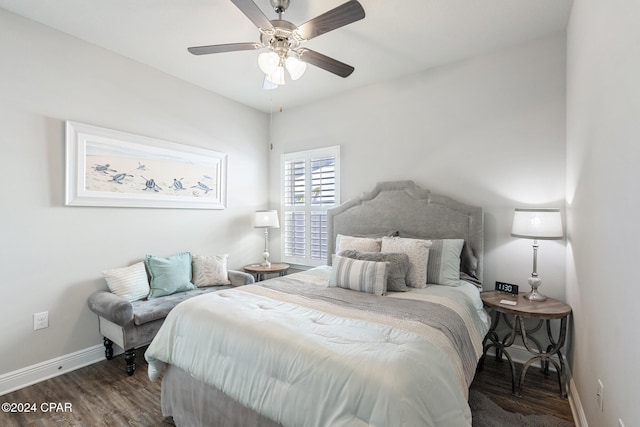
[{"x": 169, "y": 275}]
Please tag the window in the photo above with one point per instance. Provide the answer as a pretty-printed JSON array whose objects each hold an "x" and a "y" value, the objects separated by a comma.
[{"x": 310, "y": 186}]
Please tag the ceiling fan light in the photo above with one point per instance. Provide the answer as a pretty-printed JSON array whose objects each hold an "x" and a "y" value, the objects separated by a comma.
[
  {"x": 267, "y": 85},
  {"x": 277, "y": 77},
  {"x": 268, "y": 62},
  {"x": 295, "y": 67}
]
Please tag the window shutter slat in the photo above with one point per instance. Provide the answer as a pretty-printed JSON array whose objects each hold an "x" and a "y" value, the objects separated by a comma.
[{"x": 310, "y": 186}]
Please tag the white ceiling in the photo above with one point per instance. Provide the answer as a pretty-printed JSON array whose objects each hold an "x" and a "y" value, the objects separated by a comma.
[{"x": 396, "y": 38}]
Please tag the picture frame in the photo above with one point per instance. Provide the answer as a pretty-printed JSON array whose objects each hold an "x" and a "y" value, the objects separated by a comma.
[{"x": 111, "y": 168}]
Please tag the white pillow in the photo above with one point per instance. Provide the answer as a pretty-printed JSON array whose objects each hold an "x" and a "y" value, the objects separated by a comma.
[
  {"x": 418, "y": 252},
  {"x": 360, "y": 244},
  {"x": 210, "y": 270},
  {"x": 358, "y": 275},
  {"x": 130, "y": 282}
]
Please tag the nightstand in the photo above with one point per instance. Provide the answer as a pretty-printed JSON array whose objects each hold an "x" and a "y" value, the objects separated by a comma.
[
  {"x": 544, "y": 311},
  {"x": 260, "y": 270}
]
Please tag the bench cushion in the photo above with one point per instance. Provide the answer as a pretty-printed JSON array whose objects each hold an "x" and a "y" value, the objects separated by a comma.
[{"x": 145, "y": 311}]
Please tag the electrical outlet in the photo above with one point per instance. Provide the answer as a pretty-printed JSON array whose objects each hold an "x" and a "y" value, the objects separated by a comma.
[
  {"x": 40, "y": 320},
  {"x": 600, "y": 395}
]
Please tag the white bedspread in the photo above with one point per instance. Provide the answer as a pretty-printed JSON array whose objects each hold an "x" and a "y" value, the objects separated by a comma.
[{"x": 307, "y": 362}]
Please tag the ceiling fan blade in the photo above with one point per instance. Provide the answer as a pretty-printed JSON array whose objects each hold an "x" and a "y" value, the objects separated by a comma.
[
  {"x": 322, "y": 61},
  {"x": 342, "y": 15},
  {"x": 219, "y": 48},
  {"x": 253, "y": 12}
]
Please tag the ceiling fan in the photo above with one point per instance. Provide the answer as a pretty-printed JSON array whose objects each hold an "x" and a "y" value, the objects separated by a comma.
[{"x": 284, "y": 40}]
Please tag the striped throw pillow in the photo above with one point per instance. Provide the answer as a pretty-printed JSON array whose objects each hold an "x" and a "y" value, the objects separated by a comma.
[
  {"x": 357, "y": 275},
  {"x": 443, "y": 267},
  {"x": 130, "y": 283}
]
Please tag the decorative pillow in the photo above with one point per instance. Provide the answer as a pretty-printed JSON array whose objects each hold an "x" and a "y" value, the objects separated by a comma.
[
  {"x": 397, "y": 271},
  {"x": 128, "y": 282},
  {"x": 444, "y": 262},
  {"x": 360, "y": 244},
  {"x": 169, "y": 275},
  {"x": 210, "y": 270},
  {"x": 418, "y": 252},
  {"x": 357, "y": 275}
]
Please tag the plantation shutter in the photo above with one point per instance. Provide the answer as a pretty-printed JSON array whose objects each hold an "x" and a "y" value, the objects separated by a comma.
[{"x": 310, "y": 186}]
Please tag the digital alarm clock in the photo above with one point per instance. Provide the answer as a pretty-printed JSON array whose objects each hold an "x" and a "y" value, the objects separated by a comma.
[{"x": 507, "y": 287}]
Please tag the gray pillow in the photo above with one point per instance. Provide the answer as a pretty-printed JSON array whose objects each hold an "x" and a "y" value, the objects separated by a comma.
[
  {"x": 468, "y": 261},
  {"x": 398, "y": 266}
]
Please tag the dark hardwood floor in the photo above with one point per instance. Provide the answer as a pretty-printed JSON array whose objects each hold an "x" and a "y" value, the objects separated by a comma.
[
  {"x": 540, "y": 395},
  {"x": 103, "y": 395}
]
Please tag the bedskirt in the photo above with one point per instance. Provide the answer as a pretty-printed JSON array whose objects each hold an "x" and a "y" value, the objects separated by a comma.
[{"x": 194, "y": 403}]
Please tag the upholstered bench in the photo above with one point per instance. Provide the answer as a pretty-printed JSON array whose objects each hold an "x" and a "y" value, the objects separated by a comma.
[
  {"x": 132, "y": 322},
  {"x": 132, "y": 325}
]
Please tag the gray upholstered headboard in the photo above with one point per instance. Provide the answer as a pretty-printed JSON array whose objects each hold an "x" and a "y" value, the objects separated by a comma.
[{"x": 404, "y": 207}]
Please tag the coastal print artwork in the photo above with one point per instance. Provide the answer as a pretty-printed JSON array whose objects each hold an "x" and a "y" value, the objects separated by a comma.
[{"x": 112, "y": 168}]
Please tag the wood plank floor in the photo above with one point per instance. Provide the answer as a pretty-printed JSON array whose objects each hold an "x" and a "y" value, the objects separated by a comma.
[
  {"x": 103, "y": 395},
  {"x": 540, "y": 395}
]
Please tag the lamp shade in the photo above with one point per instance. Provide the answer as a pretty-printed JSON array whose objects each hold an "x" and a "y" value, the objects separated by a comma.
[
  {"x": 539, "y": 224},
  {"x": 268, "y": 62},
  {"x": 277, "y": 77},
  {"x": 295, "y": 67},
  {"x": 266, "y": 219}
]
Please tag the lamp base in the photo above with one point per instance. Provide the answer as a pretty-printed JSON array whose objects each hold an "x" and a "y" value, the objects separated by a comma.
[
  {"x": 266, "y": 262},
  {"x": 534, "y": 282},
  {"x": 535, "y": 296},
  {"x": 265, "y": 254}
]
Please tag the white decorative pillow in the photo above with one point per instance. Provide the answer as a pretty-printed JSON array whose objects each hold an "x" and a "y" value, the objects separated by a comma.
[
  {"x": 418, "y": 252},
  {"x": 130, "y": 282},
  {"x": 357, "y": 275},
  {"x": 444, "y": 262},
  {"x": 360, "y": 244},
  {"x": 210, "y": 270}
]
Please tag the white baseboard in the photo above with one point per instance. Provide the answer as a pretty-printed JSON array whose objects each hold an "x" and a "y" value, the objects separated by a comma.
[
  {"x": 33, "y": 374},
  {"x": 579, "y": 417}
]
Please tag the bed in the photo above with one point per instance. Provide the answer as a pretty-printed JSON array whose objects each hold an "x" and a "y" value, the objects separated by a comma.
[{"x": 325, "y": 347}]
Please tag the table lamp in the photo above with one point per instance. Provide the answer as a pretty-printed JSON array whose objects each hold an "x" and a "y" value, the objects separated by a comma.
[
  {"x": 536, "y": 224},
  {"x": 266, "y": 219}
]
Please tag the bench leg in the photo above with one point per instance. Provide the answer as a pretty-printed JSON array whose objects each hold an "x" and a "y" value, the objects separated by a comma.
[
  {"x": 130, "y": 358},
  {"x": 108, "y": 348}
]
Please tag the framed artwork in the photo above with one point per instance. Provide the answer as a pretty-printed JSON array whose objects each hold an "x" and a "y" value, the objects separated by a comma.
[{"x": 106, "y": 167}]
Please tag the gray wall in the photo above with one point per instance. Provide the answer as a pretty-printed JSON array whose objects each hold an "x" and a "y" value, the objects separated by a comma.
[
  {"x": 51, "y": 255},
  {"x": 603, "y": 200},
  {"x": 489, "y": 130}
]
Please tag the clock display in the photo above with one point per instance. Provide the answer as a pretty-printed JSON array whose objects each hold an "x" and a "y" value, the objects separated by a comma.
[{"x": 507, "y": 287}]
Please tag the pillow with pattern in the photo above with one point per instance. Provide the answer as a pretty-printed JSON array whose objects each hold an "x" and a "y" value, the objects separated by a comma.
[
  {"x": 361, "y": 244},
  {"x": 210, "y": 270},
  {"x": 357, "y": 275},
  {"x": 398, "y": 266},
  {"x": 418, "y": 252}
]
